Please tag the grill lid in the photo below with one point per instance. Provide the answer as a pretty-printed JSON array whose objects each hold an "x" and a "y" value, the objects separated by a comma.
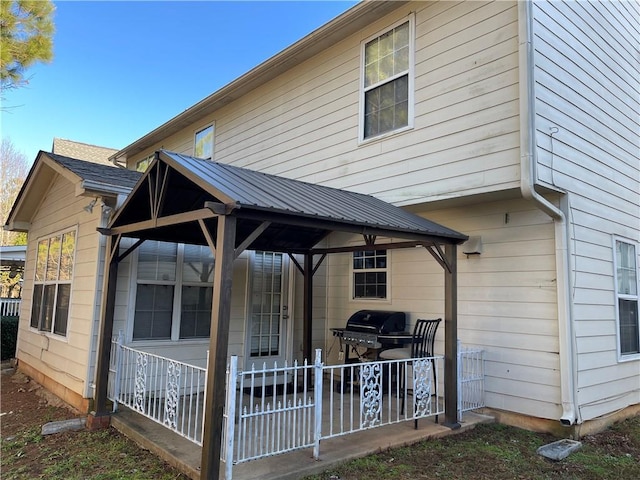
[{"x": 377, "y": 321}]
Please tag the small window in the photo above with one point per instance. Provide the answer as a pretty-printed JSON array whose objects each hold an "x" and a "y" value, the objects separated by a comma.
[
  {"x": 142, "y": 165},
  {"x": 370, "y": 274},
  {"x": 203, "y": 146},
  {"x": 626, "y": 267},
  {"x": 387, "y": 82},
  {"x": 52, "y": 283}
]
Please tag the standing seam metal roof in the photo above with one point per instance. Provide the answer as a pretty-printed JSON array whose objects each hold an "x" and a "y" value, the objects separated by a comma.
[{"x": 258, "y": 190}]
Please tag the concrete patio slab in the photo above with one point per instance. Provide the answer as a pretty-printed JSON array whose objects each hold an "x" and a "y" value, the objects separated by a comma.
[{"x": 185, "y": 455}]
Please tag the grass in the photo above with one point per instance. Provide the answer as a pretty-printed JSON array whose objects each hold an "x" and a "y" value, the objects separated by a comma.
[
  {"x": 494, "y": 451},
  {"x": 98, "y": 455},
  {"x": 490, "y": 451}
]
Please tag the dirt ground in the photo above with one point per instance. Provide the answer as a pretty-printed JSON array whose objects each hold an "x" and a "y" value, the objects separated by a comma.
[{"x": 25, "y": 406}]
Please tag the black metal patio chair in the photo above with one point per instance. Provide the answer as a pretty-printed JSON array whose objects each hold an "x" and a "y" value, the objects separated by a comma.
[{"x": 423, "y": 339}]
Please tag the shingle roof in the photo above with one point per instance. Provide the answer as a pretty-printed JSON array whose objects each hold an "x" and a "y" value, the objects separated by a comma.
[
  {"x": 82, "y": 151},
  {"x": 101, "y": 174}
]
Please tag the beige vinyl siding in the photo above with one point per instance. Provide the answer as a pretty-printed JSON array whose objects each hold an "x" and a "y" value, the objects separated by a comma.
[
  {"x": 63, "y": 359},
  {"x": 304, "y": 123},
  {"x": 507, "y": 303},
  {"x": 588, "y": 97},
  {"x": 506, "y": 300}
]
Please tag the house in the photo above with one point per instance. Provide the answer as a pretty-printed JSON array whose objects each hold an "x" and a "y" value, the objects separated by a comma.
[
  {"x": 61, "y": 203},
  {"x": 515, "y": 123}
]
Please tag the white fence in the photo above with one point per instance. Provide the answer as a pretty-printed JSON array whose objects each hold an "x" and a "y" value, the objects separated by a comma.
[
  {"x": 273, "y": 410},
  {"x": 470, "y": 378},
  {"x": 10, "y": 307},
  {"x": 280, "y": 409},
  {"x": 168, "y": 392}
]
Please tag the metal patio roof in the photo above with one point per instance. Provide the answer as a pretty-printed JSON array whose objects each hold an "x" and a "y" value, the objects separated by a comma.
[{"x": 300, "y": 213}]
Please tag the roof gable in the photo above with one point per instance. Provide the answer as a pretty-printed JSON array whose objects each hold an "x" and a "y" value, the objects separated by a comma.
[
  {"x": 299, "y": 214},
  {"x": 89, "y": 179}
]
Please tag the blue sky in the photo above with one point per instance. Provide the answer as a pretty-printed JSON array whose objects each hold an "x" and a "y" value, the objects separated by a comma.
[{"x": 120, "y": 69}]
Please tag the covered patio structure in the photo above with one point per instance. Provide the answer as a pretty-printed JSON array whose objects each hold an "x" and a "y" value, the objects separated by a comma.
[{"x": 188, "y": 200}]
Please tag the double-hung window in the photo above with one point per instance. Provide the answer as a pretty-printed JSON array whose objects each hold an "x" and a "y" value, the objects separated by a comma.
[
  {"x": 52, "y": 283},
  {"x": 370, "y": 274},
  {"x": 626, "y": 281},
  {"x": 387, "y": 82},
  {"x": 174, "y": 289},
  {"x": 203, "y": 143}
]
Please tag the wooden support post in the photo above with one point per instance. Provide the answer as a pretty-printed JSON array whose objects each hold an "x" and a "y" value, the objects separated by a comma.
[
  {"x": 108, "y": 303},
  {"x": 451, "y": 339},
  {"x": 218, "y": 348},
  {"x": 307, "y": 334}
]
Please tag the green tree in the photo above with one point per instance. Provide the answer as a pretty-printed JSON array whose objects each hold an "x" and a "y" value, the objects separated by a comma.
[{"x": 26, "y": 36}]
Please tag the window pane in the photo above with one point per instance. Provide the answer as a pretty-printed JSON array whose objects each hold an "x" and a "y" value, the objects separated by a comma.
[
  {"x": 195, "y": 319},
  {"x": 53, "y": 258},
  {"x": 48, "y": 302},
  {"x": 204, "y": 143},
  {"x": 66, "y": 259},
  {"x": 627, "y": 275},
  {"x": 41, "y": 261},
  {"x": 385, "y": 66},
  {"x": 62, "y": 309},
  {"x": 629, "y": 334},
  {"x": 401, "y": 60},
  {"x": 157, "y": 261},
  {"x": 387, "y": 55},
  {"x": 154, "y": 309},
  {"x": 36, "y": 307},
  {"x": 198, "y": 264},
  {"x": 386, "y": 107},
  {"x": 401, "y": 47}
]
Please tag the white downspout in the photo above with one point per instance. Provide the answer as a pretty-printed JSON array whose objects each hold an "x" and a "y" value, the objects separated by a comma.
[{"x": 528, "y": 177}]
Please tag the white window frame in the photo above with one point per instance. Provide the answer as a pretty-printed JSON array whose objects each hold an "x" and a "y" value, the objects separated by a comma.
[
  {"x": 352, "y": 282},
  {"x": 213, "y": 135},
  {"x": 52, "y": 333},
  {"x": 177, "y": 284},
  {"x": 410, "y": 73},
  {"x": 623, "y": 357}
]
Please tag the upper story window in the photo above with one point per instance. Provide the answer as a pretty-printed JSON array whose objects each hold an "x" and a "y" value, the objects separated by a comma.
[
  {"x": 52, "y": 283},
  {"x": 370, "y": 274},
  {"x": 203, "y": 145},
  {"x": 142, "y": 165},
  {"x": 387, "y": 82},
  {"x": 626, "y": 269}
]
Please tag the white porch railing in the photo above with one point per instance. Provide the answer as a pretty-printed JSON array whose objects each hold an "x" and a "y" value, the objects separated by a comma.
[
  {"x": 168, "y": 392},
  {"x": 273, "y": 410},
  {"x": 470, "y": 378},
  {"x": 10, "y": 307},
  {"x": 281, "y": 409}
]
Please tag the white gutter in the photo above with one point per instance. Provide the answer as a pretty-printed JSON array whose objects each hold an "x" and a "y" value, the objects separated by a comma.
[{"x": 528, "y": 176}]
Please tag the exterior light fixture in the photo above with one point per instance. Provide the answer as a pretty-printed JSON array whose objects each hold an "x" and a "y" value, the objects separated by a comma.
[{"x": 473, "y": 246}]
